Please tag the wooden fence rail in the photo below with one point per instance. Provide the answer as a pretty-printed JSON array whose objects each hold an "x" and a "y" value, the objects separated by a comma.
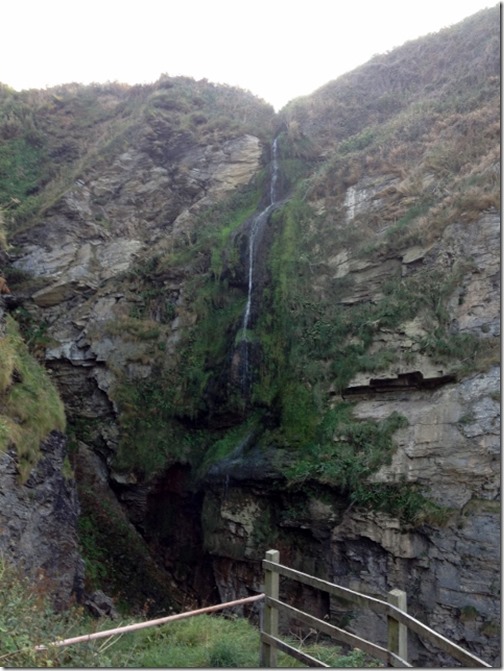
[{"x": 398, "y": 621}]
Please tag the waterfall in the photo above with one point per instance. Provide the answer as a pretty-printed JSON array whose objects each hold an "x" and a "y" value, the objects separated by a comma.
[
  {"x": 258, "y": 223},
  {"x": 274, "y": 172}
]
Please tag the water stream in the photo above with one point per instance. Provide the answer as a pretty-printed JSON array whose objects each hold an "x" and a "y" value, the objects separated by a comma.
[{"x": 258, "y": 223}]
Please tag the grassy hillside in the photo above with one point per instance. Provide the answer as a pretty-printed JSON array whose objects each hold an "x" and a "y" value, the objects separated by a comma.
[{"x": 456, "y": 70}]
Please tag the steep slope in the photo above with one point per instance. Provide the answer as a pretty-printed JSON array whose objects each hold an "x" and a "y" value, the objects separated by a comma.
[
  {"x": 386, "y": 351},
  {"x": 106, "y": 263},
  {"x": 365, "y": 447},
  {"x": 39, "y": 507},
  {"x": 381, "y": 349}
]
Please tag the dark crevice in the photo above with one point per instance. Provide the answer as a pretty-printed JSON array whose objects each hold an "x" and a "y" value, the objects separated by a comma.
[{"x": 414, "y": 381}]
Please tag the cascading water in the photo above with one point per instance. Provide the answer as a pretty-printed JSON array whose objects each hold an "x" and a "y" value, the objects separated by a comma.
[
  {"x": 274, "y": 173},
  {"x": 258, "y": 223}
]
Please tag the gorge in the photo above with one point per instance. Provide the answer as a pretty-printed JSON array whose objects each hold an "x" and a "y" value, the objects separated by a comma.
[{"x": 265, "y": 331}]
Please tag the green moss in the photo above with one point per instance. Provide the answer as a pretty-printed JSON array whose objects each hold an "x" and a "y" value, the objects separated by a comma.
[
  {"x": 93, "y": 552},
  {"x": 299, "y": 414},
  {"x": 282, "y": 316},
  {"x": 31, "y": 405},
  {"x": 22, "y": 164},
  {"x": 227, "y": 443},
  {"x": 491, "y": 628},
  {"x": 150, "y": 436},
  {"x": 219, "y": 312},
  {"x": 116, "y": 558},
  {"x": 468, "y": 613},
  {"x": 265, "y": 532},
  {"x": 219, "y": 222}
]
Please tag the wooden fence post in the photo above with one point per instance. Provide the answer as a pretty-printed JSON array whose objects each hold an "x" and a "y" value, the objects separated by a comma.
[
  {"x": 397, "y": 633},
  {"x": 270, "y": 620}
]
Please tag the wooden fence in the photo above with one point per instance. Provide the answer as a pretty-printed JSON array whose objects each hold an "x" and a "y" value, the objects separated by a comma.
[{"x": 398, "y": 622}]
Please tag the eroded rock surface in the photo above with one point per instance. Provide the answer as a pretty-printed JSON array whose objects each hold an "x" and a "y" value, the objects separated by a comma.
[
  {"x": 38, "y": 521},
  {"x": 452, "y": 442}
]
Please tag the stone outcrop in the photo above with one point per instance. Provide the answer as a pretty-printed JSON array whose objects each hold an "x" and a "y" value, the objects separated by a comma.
[
  {"x": 451, "y": 447},
  {"x": 114, "y": 218},
  {"x": 447, "y": 569},
  {"x": 451, "y": 443},
  {"x": 108, "y": 221},
  {"x": 105, "y": 222},
  {"x": 38, "y": 521}
]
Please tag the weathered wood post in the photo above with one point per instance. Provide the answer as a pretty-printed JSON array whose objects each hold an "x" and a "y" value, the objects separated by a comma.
[
  {"x": 397, "y": 632},
  {"x": 270, "y": 619}
]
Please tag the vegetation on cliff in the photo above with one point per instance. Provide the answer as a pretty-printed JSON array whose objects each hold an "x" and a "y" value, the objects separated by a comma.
[
  {"x": 30, "y": 406},
  {"x": 417, "y": 131},
  {"x": 49, "y": 138},
  {"x": 437, "y": 144},
  {"x": 453, "y": 71}
]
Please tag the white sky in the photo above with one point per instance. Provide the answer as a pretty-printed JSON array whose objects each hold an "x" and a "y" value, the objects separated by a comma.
[{"x": 278, "y": 49}]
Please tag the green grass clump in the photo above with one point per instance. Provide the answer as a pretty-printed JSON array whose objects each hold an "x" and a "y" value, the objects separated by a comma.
[
  {"x": 209, "y": 641},
  {"x": 197, "y": 642},
  {"x": 27, "y": 620},
  {"x": 149, "y": 432},
  {"x": 30, "y": 406},
  {"x": 346, "y": 451}
]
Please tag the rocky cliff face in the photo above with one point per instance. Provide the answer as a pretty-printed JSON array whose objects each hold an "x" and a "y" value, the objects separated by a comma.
[
  {"x": 450, "y": 448},
  {"x": 368, "y": 449},
  {"x": 106, "y": 222},
  {"x": 39, "y": 507},
  {"x": 38, "y": 522},
  {"x": 132, "y": 185}
]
